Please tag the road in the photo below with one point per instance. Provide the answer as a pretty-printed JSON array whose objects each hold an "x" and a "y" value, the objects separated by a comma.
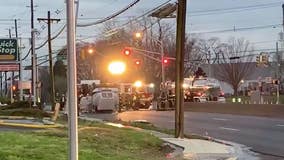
[{"x": 261, "y": 134}]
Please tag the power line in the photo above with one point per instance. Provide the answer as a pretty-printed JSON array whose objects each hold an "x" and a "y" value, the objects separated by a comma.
[
  {"x": 234, "y": 9},
  {"x": 239, "y": 29},
  {"x": 111, "y": 16},
  {"x": 131, "y": 21}
]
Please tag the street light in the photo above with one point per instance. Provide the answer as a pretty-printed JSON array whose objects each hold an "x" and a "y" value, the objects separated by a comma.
[
  {"x": 138, "y": 35},
  {"x": 90, "y": 50},
  {"x": 116, "y": 67}
]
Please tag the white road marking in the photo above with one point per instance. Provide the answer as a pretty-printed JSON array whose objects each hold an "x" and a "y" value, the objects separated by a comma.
[
  {"x": 230, "y": 129},
  {"x": 280, "y": 125},
  {"x": 220, "y": 119}
]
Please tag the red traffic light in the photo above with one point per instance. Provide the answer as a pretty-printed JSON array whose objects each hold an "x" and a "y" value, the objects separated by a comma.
[
  {"x": 165, "y": 61},
  {"x": 13, "y": 88},
  {"x": 127, "y": 51},
  {"x": 137, "y": 62}
]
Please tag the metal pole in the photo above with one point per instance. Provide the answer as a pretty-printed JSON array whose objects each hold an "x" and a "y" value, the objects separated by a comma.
[
  {"x": 1, "y": 85},
  {"x": 6, "y": 87},
  {"x": 72, "y": 78},
  {"x": 34, "y": 69},
  {"x": 11, "y": 88},
  {"x": 163, "y": 65},
  {"x": 179, "y": 113},
  {"x": 21, "y": 72},
  {"x": 277, "y": 72}
]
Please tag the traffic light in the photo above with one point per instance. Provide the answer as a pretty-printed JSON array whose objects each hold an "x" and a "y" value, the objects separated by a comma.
[
  {"x": 264, "y": 59},
  {"x": 137, "y": 62},
  {"x": 165, "y": 61},
  {"x": 127, "y": 51}
]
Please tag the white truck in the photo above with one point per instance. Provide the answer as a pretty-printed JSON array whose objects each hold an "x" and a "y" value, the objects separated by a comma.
[{"x": 105, "y": 99}]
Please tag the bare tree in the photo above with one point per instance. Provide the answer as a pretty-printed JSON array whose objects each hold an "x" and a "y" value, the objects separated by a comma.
[{"x": 235, "y": 62}]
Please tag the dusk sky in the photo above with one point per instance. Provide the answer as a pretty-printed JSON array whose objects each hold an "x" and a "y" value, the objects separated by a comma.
[{"x": 261, "y": 19}]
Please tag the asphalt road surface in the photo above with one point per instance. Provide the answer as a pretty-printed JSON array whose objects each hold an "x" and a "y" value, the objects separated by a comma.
[{"x": 264, "y": 135}]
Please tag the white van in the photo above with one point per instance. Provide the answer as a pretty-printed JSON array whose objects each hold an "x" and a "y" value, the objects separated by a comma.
[{"x": 105, "y": 99}]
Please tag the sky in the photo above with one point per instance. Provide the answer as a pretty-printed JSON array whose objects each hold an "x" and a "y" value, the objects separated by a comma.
[{"x": 258, "y": 21}]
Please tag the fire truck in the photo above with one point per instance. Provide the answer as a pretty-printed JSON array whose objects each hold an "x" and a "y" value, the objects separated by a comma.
[
  {"x": 135, "y": 96},
  {"x": 203, "y": 90},
  {"x": 199, "y": 90}
]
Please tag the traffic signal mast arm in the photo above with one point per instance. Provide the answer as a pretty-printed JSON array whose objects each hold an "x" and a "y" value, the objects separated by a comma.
[{"x": 142, "y": 52}]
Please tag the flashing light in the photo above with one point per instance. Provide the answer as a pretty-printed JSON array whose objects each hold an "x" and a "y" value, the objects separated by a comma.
[
  {"x": 138, "y": 84},
  {"x": 185, "y": 85},
  {"x": 116, "y": 67}
]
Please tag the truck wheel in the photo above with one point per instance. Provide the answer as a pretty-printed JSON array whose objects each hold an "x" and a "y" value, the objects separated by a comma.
[{"x": 196, "y": 100}]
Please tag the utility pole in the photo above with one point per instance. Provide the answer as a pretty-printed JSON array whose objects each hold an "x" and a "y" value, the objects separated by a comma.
[
  {"x": 72, "y": 78},
  {"x": 33, "y": 55},
  {"x": 20, "y": 86},
  {"x": 283, "y": 16},
  {"x": 180, "y": 39},
  {"x": 12, "y": 76},
  {"x": 1, "y": 85},
  {"x": 49, "y": 20},
  {"x": 6, "y": 86},
  {"x": 20, "y": 61}
]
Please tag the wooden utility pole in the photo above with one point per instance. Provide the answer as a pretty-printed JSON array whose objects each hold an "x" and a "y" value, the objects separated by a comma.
[
  {"x": 180, "y": 39},
  {"x": 49, "y": 20}
]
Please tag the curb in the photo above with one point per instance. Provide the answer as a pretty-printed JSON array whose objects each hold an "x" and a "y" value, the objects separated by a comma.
[
  {"x": 28, "y": 125},
  {"x": 16, "y": 117}
]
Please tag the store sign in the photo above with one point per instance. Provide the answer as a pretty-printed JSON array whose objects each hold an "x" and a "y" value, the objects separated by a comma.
[
  {"x": 8, "y": 49},
  {"x": 9, "y": 67}
]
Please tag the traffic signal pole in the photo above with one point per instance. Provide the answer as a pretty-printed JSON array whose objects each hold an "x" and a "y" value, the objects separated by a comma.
[
  {"x": 180, "y": 39},
  {"x": 162, "y": 63}
]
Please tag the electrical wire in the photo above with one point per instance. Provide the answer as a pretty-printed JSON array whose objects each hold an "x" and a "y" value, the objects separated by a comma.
[
  {"x": 111, "y": 16},
  {"x": 233, "y": 9},
  {"x": 26, "y": 56},
  {"x": 43, "y": 44},
  {"x": 239, "y": 29}
]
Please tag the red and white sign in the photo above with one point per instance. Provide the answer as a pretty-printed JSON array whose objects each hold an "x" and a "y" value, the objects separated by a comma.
[{"x": 9, "y": 67}]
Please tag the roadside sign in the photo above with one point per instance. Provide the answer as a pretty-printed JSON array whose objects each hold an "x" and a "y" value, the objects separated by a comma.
[
  {"x": 9, "y": 67},
  {"x": 8, "y": 49}
]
